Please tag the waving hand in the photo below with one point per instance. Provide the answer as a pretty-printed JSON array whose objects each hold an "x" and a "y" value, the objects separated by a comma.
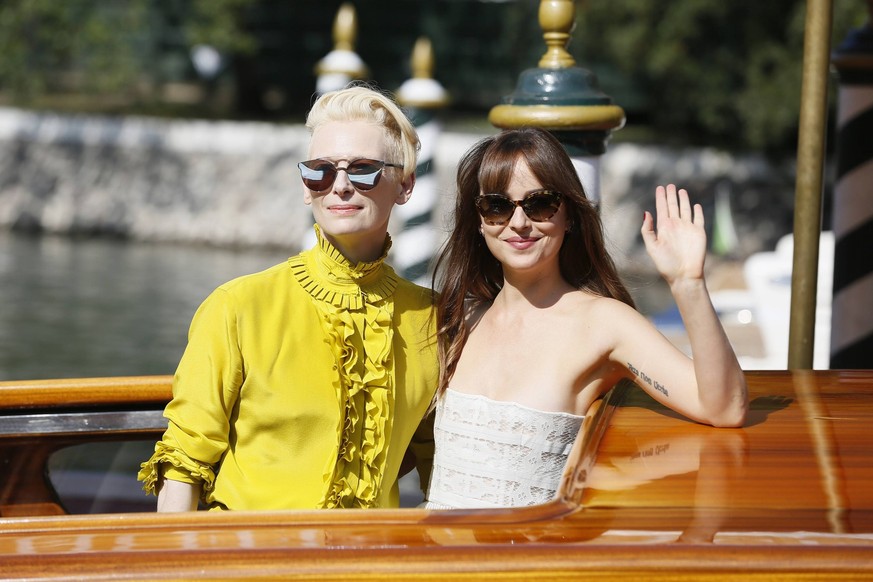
[{"x": 678, "y": 246}]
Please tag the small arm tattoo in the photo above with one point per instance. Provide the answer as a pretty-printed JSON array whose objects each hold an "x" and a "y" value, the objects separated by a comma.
[
  {"x": 648, "y": 380},
  {"x": 652, "y": 451}
]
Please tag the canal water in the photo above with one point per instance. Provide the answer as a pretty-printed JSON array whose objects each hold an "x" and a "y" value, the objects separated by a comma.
[{"x": 101, "y": 307}]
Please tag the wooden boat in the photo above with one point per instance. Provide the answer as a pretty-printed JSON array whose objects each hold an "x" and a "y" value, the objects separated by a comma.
[{"x": 647, "y": 494}]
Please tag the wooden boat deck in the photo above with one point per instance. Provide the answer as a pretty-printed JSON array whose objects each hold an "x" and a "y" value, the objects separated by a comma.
[{"x": 647, "y": 495}]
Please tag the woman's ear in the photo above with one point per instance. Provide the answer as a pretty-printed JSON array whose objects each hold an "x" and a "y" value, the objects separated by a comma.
[{"x": 406, "y": 186}]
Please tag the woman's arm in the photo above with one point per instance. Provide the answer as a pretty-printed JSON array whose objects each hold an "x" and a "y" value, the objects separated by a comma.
[
  {"x": 678, "y": 248},
  {"x": 176, "y": 496},
  {"x": 205, "y": 391}
]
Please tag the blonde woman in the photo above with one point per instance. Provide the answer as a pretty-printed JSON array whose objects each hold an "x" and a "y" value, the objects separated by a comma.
[{"x": 302, "y": 386}]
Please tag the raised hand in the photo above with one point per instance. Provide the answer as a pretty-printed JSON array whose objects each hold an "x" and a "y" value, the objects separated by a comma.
[
  {"x": 678, "y": 246},
  {"x": 711, "y": 386}
]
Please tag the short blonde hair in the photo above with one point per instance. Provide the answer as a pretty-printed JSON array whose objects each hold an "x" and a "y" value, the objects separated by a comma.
[{"x": 361, "y": 103}]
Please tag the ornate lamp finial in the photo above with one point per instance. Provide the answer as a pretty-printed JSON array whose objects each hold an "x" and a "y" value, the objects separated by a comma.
[
  {"x": 422, "y": 59},
  {"x": 342, "y": 64},
  {"x": 557, "y": 19},
  {"x": 345, "y": 28},
  {"x": 563, "y": 98},
  {"x": 422, "y": 91}
]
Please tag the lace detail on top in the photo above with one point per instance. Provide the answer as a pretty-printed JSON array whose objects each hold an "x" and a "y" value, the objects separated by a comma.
[{"x": 497, "y": 454}]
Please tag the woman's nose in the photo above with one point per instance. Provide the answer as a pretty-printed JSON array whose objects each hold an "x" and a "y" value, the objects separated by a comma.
[
  {"x": 342, "y": 184},
  {"x": 519, "y": 219}
]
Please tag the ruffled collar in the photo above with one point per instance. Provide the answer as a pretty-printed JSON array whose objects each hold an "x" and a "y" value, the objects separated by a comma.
[{"x": 328, "y": 276}]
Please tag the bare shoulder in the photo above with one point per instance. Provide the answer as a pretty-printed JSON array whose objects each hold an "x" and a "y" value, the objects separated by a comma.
[
  {"x": 591, "y": 313},
  {"x": 598, "y": 308},
  {"x": 592, "y": 328},
  {"x": 608, "y": 307},
  {"x": 608, "y": 317}
]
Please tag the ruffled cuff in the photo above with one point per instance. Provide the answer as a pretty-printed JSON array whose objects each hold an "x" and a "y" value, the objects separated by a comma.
[{"x": 178, "y": 464}]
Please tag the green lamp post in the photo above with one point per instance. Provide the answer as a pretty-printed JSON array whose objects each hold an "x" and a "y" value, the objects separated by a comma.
[{"x": 563, "y": 98}]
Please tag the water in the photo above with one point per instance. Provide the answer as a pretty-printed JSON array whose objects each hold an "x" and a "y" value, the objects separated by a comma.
[
  {"x": 97, "y": 307},
  {"x": 102, "y": 307}
]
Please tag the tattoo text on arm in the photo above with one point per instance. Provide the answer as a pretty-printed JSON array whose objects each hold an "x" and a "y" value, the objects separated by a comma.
[
  {"x": 648, "y": 380},
  {"x": 651, "y": 451}
]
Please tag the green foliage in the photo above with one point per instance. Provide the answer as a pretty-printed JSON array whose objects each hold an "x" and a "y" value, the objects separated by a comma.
[
  {"x": 714, "y": 72},
  {"x": 106, "y": 47},
  {"x": 49, "y": 46},
  {"x": 218, "y": 23}
]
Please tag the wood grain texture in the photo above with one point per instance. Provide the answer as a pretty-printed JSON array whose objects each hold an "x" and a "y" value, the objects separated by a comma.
[
  {"x": 84, "y": 391},
  {"x": 650, "y": 495}
]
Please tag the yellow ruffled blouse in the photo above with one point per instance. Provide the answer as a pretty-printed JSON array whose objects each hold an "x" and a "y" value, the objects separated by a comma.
[{"x": 302, "y": 387}]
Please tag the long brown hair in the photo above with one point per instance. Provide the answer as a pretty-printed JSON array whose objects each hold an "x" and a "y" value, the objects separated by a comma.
[{"x": 466, "y": 271}]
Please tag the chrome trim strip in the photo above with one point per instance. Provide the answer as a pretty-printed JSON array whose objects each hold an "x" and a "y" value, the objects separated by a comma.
[{"x": 32, "y": 425}]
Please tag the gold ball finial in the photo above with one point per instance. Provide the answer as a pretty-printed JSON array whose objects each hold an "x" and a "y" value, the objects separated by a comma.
[
  {"x": 422, "y": 91},
  {"x": 422, "y": 59},
  {"x": 557, "y": 19},
  {"x": 345, "y": 28},
  {"x": 342, "y": 64}
]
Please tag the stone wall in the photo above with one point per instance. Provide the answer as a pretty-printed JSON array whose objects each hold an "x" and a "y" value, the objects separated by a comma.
[
  {"x": 748, "y": 199},
  {"x": 215, "y": 182},
  {"x": 236, "y": 184}
]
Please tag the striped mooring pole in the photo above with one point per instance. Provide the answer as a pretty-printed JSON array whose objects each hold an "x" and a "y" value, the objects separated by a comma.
[
  {"x": 421, "y": 97},
  {"x": 564, "y": 99},
  {"x": 852, "y": 307}
]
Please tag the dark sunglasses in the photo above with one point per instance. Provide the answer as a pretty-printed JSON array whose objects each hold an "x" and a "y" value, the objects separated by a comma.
[
  {"x": 539, "y": 205},
  {"x": 364, "y": 174}
]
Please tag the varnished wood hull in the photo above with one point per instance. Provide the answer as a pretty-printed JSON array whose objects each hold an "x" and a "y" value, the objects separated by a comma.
[{"x": 648, "y": 495}]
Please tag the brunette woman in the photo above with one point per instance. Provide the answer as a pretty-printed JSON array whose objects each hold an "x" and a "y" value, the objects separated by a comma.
[{"x": 535, "y": 324}]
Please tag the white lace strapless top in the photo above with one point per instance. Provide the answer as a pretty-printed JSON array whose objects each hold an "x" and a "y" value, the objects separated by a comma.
[{"x": 491, "y": 453}]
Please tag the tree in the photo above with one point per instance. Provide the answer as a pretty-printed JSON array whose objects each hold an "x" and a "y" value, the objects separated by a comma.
[
  {"x": 717, "y": 73},
  {"x": 106, "y": 48}
]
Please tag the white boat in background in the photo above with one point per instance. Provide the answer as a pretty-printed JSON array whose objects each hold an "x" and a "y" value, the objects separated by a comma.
[
  {"x": 756, "y": 315},
  {"x": 768, "y": 277}
]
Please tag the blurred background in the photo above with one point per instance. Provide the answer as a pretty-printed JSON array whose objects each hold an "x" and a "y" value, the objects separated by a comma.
[
  {"x": 687, "y": 72},
  {"x": 126, "y": 123},
  {"x": 148, "y": 149}
]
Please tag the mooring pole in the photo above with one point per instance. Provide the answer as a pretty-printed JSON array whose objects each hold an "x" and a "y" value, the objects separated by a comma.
[
  {"x": 810, "y": 178},
  {"x": 852, "y": 307}
]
